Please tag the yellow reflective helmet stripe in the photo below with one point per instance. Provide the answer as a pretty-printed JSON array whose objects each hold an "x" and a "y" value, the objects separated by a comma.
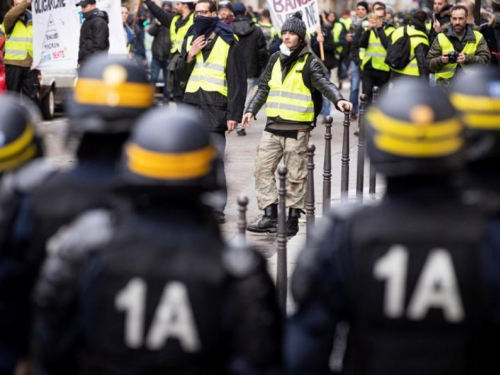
[
  {"x": 407, "y": 139},
  {"x": 19, "y": 144},
  {"x": 210, "y": 75},
  {"x": 448, "y": 71},
  {"x": 475, "y": 103},
  {"x": 18, "y": 160},
  {"x": 180, "y": 166},
  {"x": 127, "y": 94},
  {"x": 290, "y": 99}
]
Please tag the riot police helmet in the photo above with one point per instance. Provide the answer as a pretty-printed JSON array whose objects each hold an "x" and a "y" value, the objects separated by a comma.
[
  {"x": 18, "y": 140},
  {"x": 109, "y": 95},
  {"x": 476, "y": 95},
  {"x": 414, "y": 131},
  {"x": 171, "y": 148}
]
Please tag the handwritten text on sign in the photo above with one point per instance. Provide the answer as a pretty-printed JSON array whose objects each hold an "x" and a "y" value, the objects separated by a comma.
[{"x": 282, "y": 9}]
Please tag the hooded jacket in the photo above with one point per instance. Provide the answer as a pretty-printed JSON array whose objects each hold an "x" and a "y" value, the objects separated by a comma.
[
  {"x": 94, "y": 35},
  {"x": 253, "y": 42}
]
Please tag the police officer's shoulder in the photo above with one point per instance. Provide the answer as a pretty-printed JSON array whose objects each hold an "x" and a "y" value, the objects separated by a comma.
[
  {"x": 240, "y": 260},
  {"x": 33, "y": 175},
  {"x": 89, "y": 232}
]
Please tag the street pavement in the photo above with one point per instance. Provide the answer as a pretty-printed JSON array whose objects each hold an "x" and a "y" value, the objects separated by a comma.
[{"x": 240, "y": 157}]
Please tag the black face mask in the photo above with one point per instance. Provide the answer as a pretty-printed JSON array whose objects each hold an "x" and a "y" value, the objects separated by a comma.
[{"x": 205, "y": 25}]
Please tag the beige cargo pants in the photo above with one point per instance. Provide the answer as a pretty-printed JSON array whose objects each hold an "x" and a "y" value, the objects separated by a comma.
[{"x": 272, "y": 148}]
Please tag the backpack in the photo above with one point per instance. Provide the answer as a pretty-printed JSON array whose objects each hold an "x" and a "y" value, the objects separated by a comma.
[{"x": 398, "y": 53}]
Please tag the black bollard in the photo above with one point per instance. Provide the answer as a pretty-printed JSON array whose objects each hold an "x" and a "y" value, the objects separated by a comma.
[
  {"x": 373, "y": 176},
  {"x": 344, "y": 180},
  {"x": 360, "y": 180},
  {"x": 310, "y": 204},
  {"x": 242, "y": 215},
  {"x": 282, "y": 274},
  {"x": 327, "y": 166}
]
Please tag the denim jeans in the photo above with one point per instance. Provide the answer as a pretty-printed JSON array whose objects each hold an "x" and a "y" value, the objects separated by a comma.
[
  {"x": 156, "y": 67},
  {"x": 355, "y": 78},
  {"x": 327, "y": 104}
]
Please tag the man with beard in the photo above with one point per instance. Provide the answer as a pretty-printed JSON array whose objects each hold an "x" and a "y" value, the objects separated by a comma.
[{"x": 457, "y": 49}]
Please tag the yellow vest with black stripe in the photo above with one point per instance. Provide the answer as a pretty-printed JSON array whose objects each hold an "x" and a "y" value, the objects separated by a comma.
[
  {"x": 177, "y": 37},
  {"x": 337, "y": 31},
  {"x": 416, "y": 37},
  {"x": 210, "y": 75},
  {"x": 290, "y": 99},
  {"x": 19, "y": 43},
  {"x": 448, "y": 71},
  {"x": 376, "y": 52}
]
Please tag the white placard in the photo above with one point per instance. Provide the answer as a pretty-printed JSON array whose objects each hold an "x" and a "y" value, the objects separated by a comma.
[
  {"x": 56, "y": 32},
  {"x": 282, "y": 9}
]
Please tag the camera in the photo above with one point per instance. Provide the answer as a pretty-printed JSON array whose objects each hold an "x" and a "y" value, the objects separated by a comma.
[{"x": 452, "y": 57}]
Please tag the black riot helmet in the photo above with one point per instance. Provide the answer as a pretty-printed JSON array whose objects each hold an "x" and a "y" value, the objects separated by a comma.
[
  {"x": 109, "y": 95},
  {"x": 171, "y": 149},
  {"x": 477, "y": 97},
  {"x": 18, "y": 140},
  {"x": 414, "y": 131}
]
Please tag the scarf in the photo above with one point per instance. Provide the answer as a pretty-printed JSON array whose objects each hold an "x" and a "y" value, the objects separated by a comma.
[
  {"x": 289, "y": 57},
  {"x": 207, "y": 25}
]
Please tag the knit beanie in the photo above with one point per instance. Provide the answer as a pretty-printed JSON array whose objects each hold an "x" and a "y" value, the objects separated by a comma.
[
  {"x": 363, "y": 4},
  {"x": 295, "y": 25}
]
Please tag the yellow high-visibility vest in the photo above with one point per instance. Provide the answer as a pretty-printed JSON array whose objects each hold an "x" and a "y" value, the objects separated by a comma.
[
  {"x": 416, "y": 37},
  {"x": 177, "y": 37},
  {"x": 19, "y": 43},
  {"x": 347, "y": 22},
  {"x": 270, "y": 27},
  {"x": 337, "y": 31},
  {"x": 290, "y": 99},
  {"x": 376, "y": 52},
  {"x": 210, "y": 75},
  {"x": 448, "y": 71}
]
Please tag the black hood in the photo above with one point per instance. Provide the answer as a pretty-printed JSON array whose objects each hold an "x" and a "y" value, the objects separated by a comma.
[
  {"x": 96, "y": 13},
  {"x": 242, "y": 26}
]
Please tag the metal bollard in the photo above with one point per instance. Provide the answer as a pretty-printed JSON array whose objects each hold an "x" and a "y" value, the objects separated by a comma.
[
  {"x": 327, "y": 167},
  {"x": 360, "y": 180},
  {"x": 373, "y": 176},
  {"x": 282, "y": 274},
  {"x": 344, "y": 180},
  {"x": 242, "y": 215},
  {"x": 310, "y": 204}
]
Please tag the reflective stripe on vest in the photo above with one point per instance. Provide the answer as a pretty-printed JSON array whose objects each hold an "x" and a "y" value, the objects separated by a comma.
[
  {"x": 19, "y": 43},
  {"x": 290, "y": 99},
  {"x": 448, "y": 71},
  {"x": 177, "y": 37},
  {"x": 210, "y": 75},
  {"x": 416, "y": 37},
  {"x": 337, "y": 31},
  {"x": 376, "y": 52}
]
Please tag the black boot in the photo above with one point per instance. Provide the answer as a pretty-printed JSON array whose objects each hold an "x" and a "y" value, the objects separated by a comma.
[
  {"x": 268, "y": 222},
  {"x": 292, "y": 221}
]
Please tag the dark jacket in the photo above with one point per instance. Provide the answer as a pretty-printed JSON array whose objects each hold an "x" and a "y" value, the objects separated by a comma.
[
  {"x": 94, "y": 35},
  {"x": 317, "y": 78},
  {"x": 330, "y": 61},
  {"x": 161, "y": 42},
  {"x": 443, "y": 18},
  {"x": 481, "y": 57},
  {"x": 491, "y": 33},
  {"x": 216, "y": 107},
  {"x": 253, "y": 42}
]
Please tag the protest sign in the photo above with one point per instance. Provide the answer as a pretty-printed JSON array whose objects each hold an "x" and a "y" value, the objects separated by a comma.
[
  {"x": 56, "y": 32},
  {"x": 282, "y": 9}
]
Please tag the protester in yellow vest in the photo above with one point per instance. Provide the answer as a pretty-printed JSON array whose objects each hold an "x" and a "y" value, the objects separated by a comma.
[
  {"x": 212, "y": 64},
  {"x": 457, "y": 49},
  {"x": 179, "y": 24},
  {"x": 18, "y": 28},
  {"x": 375, "y": 39},
  {"x": 419, "y": 40},
  {"x": 287, "y": 87}
]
